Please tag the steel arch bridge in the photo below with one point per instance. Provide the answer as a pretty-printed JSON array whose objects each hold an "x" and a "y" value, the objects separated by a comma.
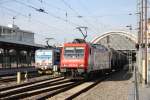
[{"x": 119, "y": 40}]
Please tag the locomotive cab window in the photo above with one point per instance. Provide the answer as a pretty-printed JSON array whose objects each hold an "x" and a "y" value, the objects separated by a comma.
[{"x": 74, "y": 52}]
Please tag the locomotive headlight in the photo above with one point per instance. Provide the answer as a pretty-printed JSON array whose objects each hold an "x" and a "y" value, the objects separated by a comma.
[
  {"x": 45, "y": 67},
  {"x": 81, "y": 65},
  {"x": 42, "y": 67}
]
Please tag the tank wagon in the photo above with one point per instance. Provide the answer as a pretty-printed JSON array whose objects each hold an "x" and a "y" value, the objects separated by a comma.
[{"x": 80, "y": 59}]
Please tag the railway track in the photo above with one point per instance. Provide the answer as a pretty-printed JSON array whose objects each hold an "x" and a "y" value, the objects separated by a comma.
[
  {"x": 76, "y": 91},
  {"x": 31, "y": 89},
  {"x": 11, "y": 85},
  {"x": 56, "y": 90},
  {"x": 40, "y": 90},
  {"x": 7, "y": 79},
  {"x": 57, "y": 87},
  {"x": 13, "y": 78},
  {"x": 69, "y": 92}
]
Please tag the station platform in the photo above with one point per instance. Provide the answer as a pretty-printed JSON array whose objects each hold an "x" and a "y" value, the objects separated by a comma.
[
  {"x": 144, "y": 92},
  {"x": 12, "y": 71},
  {"x": 141, "y": 93},
  {"x": 131, "y": 93}
]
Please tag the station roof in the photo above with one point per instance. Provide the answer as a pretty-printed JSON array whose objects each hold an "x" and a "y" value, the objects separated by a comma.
[
  {"x": 19, "y": 43},
  {"x": 16, "y": 27},
  {"x": 14, "y": 42},
  {"x": 117, "y": 40}
]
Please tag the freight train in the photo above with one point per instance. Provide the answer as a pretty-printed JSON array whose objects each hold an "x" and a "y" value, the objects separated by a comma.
[
  {"x": 47, "y": 60},
  {"x": 80, "y": 59}
]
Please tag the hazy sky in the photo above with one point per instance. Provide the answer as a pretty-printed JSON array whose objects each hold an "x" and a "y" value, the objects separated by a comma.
[{"x": 63, "y": 16}]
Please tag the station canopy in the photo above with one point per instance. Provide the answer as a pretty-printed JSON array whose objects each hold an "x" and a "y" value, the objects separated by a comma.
[{"x": 117, "y": 40}]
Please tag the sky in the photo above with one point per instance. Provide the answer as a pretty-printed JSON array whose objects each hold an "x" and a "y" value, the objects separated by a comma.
[{"x": 61, "y": 17}]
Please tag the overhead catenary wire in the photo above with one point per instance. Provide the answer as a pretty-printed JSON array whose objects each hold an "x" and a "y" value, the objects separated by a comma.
[
  {"x": 51, "y": 5},
  {"x": 55, "y": 7},
  {"x": 58, "y": 8},
  {"x": 37, "y": 9},
  {"x": 26, "y": 16},
  {"x": 57, "y": 17},
  {"x": 85, "y": 8},
  {"x": 69, "y": 6},
  {"x": 37, "y": 21},
  {"x": 100, "y": 16},
  {"x": 41, "y": 10},
  {"x": 48, "y": 13}
]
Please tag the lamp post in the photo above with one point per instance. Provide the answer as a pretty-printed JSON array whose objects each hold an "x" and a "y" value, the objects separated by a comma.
[
  {"x": 146, "y": 42},
  {"x": 148, "y": 50}
]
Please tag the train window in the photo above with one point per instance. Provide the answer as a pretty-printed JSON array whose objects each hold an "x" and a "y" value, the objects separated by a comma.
[
  {"x": 69, "y": 50},
  {"x": 79, "y": 50},
  {"x": 74, "y": 52}
]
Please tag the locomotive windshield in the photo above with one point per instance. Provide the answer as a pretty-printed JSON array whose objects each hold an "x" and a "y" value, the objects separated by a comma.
[{"x": 73, "y": 52}]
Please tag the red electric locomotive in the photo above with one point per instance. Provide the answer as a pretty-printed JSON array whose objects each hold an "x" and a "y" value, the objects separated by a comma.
[{"x": 80, "y": 59}]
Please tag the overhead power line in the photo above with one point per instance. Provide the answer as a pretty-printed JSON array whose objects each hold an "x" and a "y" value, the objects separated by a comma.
[
  {"x": 69, "y": 6},
  {"x": 48, "y": 13},
  {"x": 37, "y": 9},
  {"x": 27, "y": 16},
  {"x": 51, "y": 5}
]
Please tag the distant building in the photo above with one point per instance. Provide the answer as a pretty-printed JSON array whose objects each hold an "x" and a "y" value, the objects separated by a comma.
[
  {"x": 16, "y": 35},
  {"x": 17, "y": 50}
]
